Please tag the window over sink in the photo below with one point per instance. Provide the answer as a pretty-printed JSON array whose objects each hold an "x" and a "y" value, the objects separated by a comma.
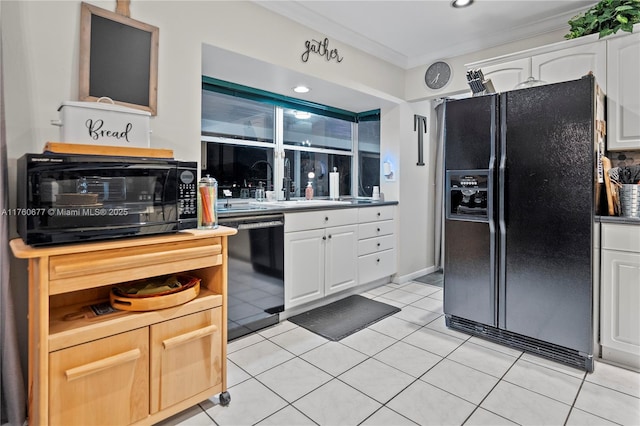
[{"x": 252, "y": 138}]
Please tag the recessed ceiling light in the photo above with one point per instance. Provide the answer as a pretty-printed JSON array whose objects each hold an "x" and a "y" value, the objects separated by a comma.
[
  {"x": 302, "y": 115},
  {"x": 301, "y": 89},
  {"x": 461, "y": 3}
]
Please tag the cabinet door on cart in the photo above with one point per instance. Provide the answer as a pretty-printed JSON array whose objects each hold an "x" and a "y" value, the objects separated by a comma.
[
  {"x": 186, "y": 357},
  {"x": 104, "y": 382}
]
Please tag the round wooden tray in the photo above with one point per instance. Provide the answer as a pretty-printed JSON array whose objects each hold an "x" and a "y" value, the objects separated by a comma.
[{"x": 153, "y": 302}]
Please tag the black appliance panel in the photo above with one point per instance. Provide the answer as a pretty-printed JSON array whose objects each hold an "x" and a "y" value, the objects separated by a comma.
[
  {"x": 470, "y": 132},
  {"x": 469, "y": 265},
  {"x": 468, "y": 195},
  {"x": 544, "y": 185},
  {"x": 255, "y": 273},
  {"x": 131, "y": 196},
  {"x": 547, "y": 200}
]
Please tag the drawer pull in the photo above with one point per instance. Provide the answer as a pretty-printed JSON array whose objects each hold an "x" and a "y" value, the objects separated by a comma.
[
  {"x": 378, "y": 214},
  {"x": 103, "y": 364},
  {"x": 378, "y": 229},
  {"x": 326, "y": 219},
  {"x": 377, "y": 260},
  {"x": 378, "y": 244},
  {"x": 189, "y": 337}
]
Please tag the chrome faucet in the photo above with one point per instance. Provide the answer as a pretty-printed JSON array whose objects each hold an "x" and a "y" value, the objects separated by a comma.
[
  {"x": 286, "y": 180},
  {"x": 269, "y": 166}
]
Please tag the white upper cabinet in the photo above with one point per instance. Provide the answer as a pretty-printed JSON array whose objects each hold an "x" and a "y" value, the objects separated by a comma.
[
  {"x": 569, "y": 63},
  {"x": 614, "y": 61},
  {"x": 506, "y": 75},
  {"x": 572, "y": 63},
  {"x": 623, "y": 94}
]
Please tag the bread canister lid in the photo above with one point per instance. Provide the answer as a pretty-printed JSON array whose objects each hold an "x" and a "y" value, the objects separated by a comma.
[{"x": 103, "y": 107}]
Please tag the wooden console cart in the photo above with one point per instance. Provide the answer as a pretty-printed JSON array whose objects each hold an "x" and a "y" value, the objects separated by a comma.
[{"x": 124, "y": 367}]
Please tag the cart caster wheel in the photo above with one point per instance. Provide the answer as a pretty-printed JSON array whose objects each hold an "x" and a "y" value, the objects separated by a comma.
[{"x": 225, "y": 399}]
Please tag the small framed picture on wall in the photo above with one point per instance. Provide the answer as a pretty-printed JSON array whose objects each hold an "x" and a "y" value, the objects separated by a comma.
[{"x": 118, "y": 59}]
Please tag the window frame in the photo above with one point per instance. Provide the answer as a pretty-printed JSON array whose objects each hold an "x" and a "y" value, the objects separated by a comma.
[{"x": 280, "y": 103}]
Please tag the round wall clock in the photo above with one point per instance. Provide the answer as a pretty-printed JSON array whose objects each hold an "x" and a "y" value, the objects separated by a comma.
[{"x": 438, "y": 75}]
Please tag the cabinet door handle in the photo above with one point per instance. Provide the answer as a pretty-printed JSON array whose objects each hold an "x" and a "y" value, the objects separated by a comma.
[
  {"x": 189, "y": 337},
  {"x": 324, "y": 237},
  {"x": 102, "y": 364},
  {"x": 329, "y": 236}
]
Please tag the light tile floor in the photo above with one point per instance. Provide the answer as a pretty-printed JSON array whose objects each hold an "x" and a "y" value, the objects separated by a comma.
[{"x": 409, "y": 369}]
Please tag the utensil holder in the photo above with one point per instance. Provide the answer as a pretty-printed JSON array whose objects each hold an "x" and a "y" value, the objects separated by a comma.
[{"x": 629, "y": 200}]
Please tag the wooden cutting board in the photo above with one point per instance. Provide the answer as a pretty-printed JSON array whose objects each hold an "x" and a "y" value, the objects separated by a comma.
[
  {"x": 606, "y": 166},
  {"x": 115, "y": 151}
]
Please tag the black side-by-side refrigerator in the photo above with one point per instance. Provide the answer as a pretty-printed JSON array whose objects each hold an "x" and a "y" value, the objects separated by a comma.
[{"x": 521, "y": 181}]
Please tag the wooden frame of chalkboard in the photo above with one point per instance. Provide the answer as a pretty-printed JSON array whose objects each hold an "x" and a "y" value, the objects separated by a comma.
[{"x": 118, "y": 59}]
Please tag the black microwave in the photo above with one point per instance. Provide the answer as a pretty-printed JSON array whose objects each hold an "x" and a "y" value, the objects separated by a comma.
[{"x": 66, "y": 198}]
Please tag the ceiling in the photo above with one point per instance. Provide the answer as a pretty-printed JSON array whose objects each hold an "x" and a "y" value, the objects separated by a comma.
[
  {"x": 413, "y": 33},
  {"x": 405, "y": 33}
]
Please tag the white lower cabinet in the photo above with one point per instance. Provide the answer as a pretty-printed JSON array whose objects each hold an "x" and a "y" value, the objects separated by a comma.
[
  {"x": 376, "y": 243},
  {"x": 322, "y": 261},
  {"x": 341, "y": 250},
  {"x": 326, "y": 252},
  {"x": 304, "y": 267},
  {"x": 620, "y": 295}
]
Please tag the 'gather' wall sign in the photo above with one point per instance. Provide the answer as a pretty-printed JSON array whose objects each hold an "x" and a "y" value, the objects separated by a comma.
[{"x": 320, "y": 48}]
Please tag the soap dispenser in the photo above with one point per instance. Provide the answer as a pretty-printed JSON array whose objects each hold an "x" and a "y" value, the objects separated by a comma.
[{"x": 308, "y": 191}]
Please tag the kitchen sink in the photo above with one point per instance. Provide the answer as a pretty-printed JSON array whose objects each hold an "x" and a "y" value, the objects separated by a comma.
[
  {"x": 285, "y": 204},
  {"x": 301, "y": 203},
  {"x": 241, "y": 207}
]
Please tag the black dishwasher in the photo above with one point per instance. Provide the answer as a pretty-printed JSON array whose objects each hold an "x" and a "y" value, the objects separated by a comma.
[{"x": 255, "y": 273}]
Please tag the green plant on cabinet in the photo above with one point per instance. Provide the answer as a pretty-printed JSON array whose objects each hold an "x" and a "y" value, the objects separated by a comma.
[{"x": 605, "y": 18}]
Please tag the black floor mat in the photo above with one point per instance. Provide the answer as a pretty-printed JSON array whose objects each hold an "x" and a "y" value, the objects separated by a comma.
[
  {"x": 339, "y": 319},
  {"x": 432, "y": 279}
]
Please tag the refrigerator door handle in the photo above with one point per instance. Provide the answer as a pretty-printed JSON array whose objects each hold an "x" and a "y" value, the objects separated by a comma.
[
  {"x": 502, "y": 220},
  {"x": 492, "y": 245},
  {"x": 491, "y": 207}
]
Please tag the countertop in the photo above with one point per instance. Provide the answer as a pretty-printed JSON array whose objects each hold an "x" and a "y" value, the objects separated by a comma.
[
  {"x": 267, "y": 207},
  {"x": 618, "y": 219}
]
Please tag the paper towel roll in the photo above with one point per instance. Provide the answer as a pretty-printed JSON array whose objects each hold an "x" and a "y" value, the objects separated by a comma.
[
  {"x": 334, "y": 185},
  {"x": 376, "y": 193}
]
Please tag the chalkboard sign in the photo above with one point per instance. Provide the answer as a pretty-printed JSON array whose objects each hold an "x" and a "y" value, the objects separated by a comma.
[{"x": 118, "y": 59}]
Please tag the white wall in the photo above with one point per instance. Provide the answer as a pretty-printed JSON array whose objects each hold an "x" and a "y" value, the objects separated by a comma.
[
  {"x": 42, "y": 51},
  {"x": 415, "y": 224}
]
